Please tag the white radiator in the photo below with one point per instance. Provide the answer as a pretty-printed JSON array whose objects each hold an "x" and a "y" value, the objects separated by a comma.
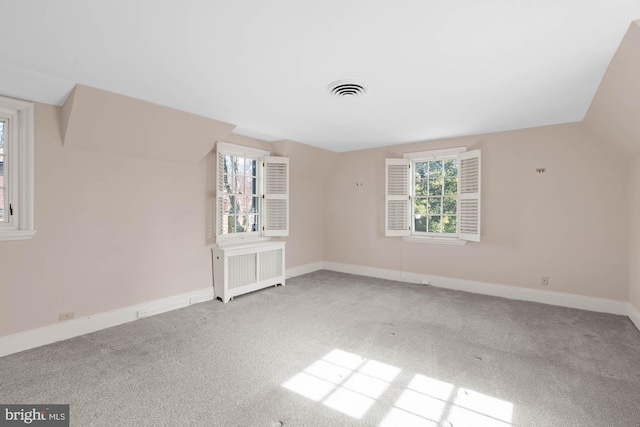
[{"x": 245, "y": 268}]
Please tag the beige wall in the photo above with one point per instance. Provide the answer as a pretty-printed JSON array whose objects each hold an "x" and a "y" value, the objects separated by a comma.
[
  {"x": 569, "y": 223},
  {"x": 308, "y": 169},
  {"x": 112, "y": 231},
  {"x": 634, "y": 234},
  {"x": 613, "y": 117},
  {"x": 116, "y": 230}
]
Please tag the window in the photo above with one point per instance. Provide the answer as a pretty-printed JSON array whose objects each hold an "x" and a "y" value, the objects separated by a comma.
[
  {"x": 2, "y": 188},
  {"x": 16, "y": 169},
  {"x": 434, "y": 196},
  {"x": 252, "y": 193},
  {"x": 240, "y": 199}
]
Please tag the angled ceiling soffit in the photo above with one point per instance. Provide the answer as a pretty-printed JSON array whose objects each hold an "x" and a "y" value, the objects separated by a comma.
[
  {"x": 615, "y": 108},
  {"x": 94, "y": 119}
]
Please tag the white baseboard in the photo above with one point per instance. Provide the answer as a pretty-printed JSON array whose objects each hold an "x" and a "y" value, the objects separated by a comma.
[
  {"x": 634, "y": 315},
  {"x": 525, "y": 294},
  {"x": 304, "y": 269},
  {"x": 72, "y": 328}
]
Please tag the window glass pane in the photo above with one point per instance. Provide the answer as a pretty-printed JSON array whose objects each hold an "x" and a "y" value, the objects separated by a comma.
[
  {"x": 238, "y": 165},
  {"x": 420, "y": 206},
  {"x": 240, "y": 188},
  {"x": 250, "y": 167},
  {"x": 251, "y": 185},
  {"x": 255, "y": 202},
  {"x": 435, "y": 186},
  {"x": 1, "y": 138},
  {"x": 2, "y": 184},
  {"x": 227, "y": 207},
  {"x": 451, "y": 186},
  {"x": 228, "y": 224},
  {"x": 227, "y": 184},
  {"x": 435, "y": 204},
  {"x": 435, "y": 168},
  {"x": 451, "y": 167},
  {"x": 228, "y": 164},
  {"x": 241, "y": 223},
  {"x": 241, "y": 205},
  {"x": 449, "y": 224},
  {"x": 435, "y": 224},
  {"x": 239, "y": 184},
  {"x": 449, "y": 205},
  {"x": 421, "y": 170},
  {"x": 421, "y": 187},
  {"x": 252, "y": 223},
  {"x": 420, "y": 223}
]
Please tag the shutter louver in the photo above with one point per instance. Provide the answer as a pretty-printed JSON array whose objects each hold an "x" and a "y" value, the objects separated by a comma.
[
  {"x": 219, "y": 194},
  {"x": 276, "y": 196},
  {"x": 398, "y": 198},
  {"x": 469, "y": 194}
]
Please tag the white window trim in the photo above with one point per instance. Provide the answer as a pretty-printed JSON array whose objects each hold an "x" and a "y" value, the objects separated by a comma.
[
  {"x": 459, "y": 238},
  {"x": 449, "y": 239},
  {"x": 262, "y": 156},
  {"x": 239, "y": 150},
  {"x": 436, "y": 240},
  {"x": 432, "y": 154},
  {"x": 19, "y": 158}
]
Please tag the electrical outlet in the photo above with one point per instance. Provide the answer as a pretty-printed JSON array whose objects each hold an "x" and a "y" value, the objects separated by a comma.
[
  {"x": 66, "y": 316},
  {"x": 545, "y": 281}
]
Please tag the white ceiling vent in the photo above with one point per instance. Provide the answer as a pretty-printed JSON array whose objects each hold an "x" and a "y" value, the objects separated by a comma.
[{"x": 346, "y": 89}]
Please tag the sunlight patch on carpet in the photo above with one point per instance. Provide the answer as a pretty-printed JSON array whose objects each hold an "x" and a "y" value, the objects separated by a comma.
[
  {"x": 344, "y": 381},
  {"x": 352, "y": 384},
  {"x": 428, "y": 402}
]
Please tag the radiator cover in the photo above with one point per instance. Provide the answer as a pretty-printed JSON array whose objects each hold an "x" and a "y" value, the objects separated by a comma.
[{"x": 242, "y": 268}]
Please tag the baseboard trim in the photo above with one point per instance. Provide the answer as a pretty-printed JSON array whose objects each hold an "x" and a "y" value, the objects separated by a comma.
[
  {"x": 304, "y": 269},
  {"x": 525, "y": 294},
  {"x": 61, "y": 331},
  {"x": 634, "y": 315},
  {"x": 72, "y": 328}
]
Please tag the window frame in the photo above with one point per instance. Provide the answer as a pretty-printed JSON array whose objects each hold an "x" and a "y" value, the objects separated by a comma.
[
  {"x": 429, "y": 156},
  {"x": 18, "y": 169},
  {"x": 278, "y": 202},
  {"x": 396, "y": 197}
]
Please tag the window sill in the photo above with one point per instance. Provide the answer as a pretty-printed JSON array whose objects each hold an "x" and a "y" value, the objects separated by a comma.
[
  {"x": 436, "y": 240},
  {"x": 241, "y": 241},
  {"x": 17, "y": 235}
]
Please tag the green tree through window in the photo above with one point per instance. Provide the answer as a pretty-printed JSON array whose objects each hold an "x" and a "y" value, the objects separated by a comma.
[{"x": 435, "y": 196}]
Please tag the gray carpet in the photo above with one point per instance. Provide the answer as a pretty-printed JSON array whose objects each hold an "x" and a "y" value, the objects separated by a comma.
[{"x": 332, "y": 349}]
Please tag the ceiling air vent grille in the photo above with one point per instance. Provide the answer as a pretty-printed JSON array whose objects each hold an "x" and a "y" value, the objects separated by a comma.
[{"x": 346, "y": 89}]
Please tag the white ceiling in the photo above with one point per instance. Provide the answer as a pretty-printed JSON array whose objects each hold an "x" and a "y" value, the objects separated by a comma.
[{"x": 432, "y": 69}]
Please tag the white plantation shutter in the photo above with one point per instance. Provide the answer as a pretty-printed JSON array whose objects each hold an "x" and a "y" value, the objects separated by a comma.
[
  {"x": 219, "y": 194},
  {"x": 398, "y": 197},
  {"x": 275, "y": 206},
  {"x": 469, "y": 196}
]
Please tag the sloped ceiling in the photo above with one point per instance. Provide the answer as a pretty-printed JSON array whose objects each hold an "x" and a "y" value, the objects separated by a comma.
[
  {"x": 614, "y": 114},
  {"x": 97, "y": 120},
  {"x": 432, "y": 69}
]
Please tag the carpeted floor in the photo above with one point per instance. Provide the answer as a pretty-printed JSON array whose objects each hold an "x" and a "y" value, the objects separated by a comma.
[{"x": 332, "y": 349}]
